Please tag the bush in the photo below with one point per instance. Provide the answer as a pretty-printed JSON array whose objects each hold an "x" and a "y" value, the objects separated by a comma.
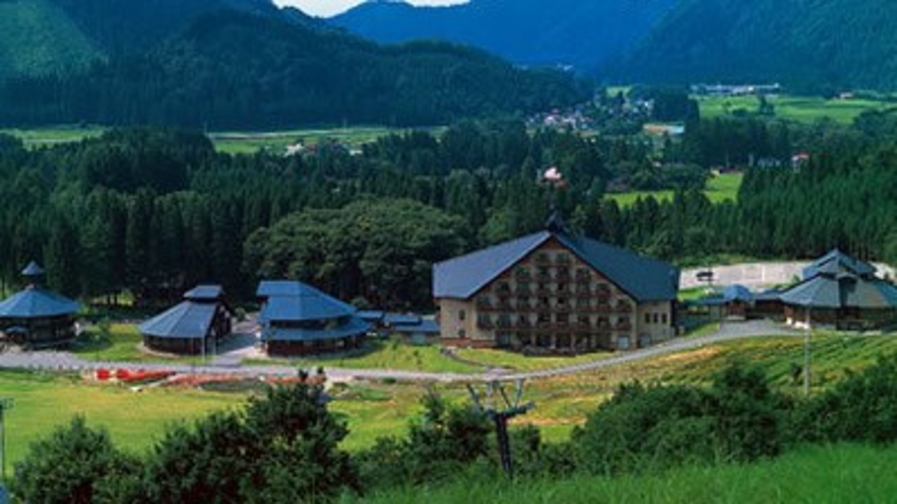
[{"x": 861, "y": 407}]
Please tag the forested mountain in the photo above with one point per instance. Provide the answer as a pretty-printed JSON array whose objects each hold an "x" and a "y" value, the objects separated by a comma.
[
  {"x": 234, "y": 69},
  {"x": 53, "y": 36},
  {"x": 36, "y": 36},
  {"x": 809, "y": 44},
  {"x": 582, "y": 33}
]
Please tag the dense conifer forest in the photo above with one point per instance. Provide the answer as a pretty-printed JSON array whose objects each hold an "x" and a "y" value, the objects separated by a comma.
[{"x": 154, "y": 211}]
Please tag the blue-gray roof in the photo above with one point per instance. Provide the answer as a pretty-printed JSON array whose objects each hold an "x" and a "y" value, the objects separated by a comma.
[
  {"x": 32, "y": 270},
  {"x": 837, "y": 262},
  {"x": 842, "y": 291},
  {"x": 422, "y": 327},
  {"x": 37, "y": 303},
  {"x": 186, "y": 320},
  {"x": 642, "y": 278},
  {"x": 399, "y": 319},
  {"x": 295, "y": 302},
  {"x": 269, "y": 288},
  {"x": 204, "y": 293},
  {"x": 354, "y": 327},
  {"x": 375, "y": 316},
  {"x": 737, "y": 292}
]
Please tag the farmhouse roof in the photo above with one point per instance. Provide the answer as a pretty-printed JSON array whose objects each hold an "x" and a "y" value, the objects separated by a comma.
[
  {"x": 737, "y": 292},
  {"x": 643, "y": 278},
  {"x": 422, "y": 327},
  {"x": 35, "y": 302},
  {"x": 188, "y": 319}
]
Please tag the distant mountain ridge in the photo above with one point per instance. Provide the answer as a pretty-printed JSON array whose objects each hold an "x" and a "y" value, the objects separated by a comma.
[
  {"x": 815, "y": 45},
  {"x": 248, "y": 69},
  {"x": 581, "y": 33}
]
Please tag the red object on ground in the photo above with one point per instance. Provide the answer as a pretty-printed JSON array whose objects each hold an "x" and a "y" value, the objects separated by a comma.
[{"x": 103, "y": 374}]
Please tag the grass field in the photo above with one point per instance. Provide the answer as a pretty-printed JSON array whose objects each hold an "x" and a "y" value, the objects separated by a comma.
[
  {"x": 385, "y": 407},
  {"x": 802, "y": 109},
  {"x": 821, "y": 475},
  {"x": 122, "y": 345},
  {"x": 249, "y": 143},
  {"x": 382, "y": 354},
  {"x": 719, "y": 188}
]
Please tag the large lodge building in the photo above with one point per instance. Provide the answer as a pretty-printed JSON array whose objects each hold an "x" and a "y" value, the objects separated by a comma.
[{"x": 555, "y": 292}]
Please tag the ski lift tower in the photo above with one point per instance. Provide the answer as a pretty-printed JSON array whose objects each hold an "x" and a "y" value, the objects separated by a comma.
[{"x": 500, "y": 414}]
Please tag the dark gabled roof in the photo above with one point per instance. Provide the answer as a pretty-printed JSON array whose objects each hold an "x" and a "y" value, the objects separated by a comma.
[
  {"x": 422, "y": 327},
  {"x": 837, "y": 262},
  {"x": 205, "y": 293},
  {"x": 463, "y": 276},
  {"x": 296, "y": 302},
  {"x": 643, "y": 278},
  {"x": 32, "y": 270},
  {"x": 186, "y": 320},
  {"x": 354, "y": 327},
  {"x": 842, "y": 291},
  {"x": 37, "y": 303}
]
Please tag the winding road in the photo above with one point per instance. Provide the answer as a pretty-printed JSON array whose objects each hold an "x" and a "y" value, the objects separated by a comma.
[{"x": 49, "y": 360}]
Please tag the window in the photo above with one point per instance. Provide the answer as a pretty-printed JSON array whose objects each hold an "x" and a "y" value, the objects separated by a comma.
[
  {"x": 462, "y": 334},
  {"x": 663, "y": 318},
  {"x": 656, "y": 318},
  {"x": 647, "y": 318},
  {"x": 462, "y": 315}
]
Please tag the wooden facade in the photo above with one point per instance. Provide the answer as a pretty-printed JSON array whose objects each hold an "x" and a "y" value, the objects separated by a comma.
[{"x": 551, "y": 301}]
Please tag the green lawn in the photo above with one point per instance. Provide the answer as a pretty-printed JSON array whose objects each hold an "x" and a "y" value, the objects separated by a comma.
[
  {"x": 518, "y": 362},
  {"x": 803, "y": 109},
  {"x": 122, "y": 345},
  {"x": 48, "y": 136},
  {"x": 277, "y": 141},
  {"x": 816, "y": 474},
  {"x": 383, "y": 354},
  {"x": 385, "y": 407},
  {"x": 719, "y": 188},
  {"x": 134, "y": 420}
]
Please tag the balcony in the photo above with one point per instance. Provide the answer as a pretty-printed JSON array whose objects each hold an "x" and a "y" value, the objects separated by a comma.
[
  {"x": 484, "y": 304},
  {"x": 485, "y": 323}
]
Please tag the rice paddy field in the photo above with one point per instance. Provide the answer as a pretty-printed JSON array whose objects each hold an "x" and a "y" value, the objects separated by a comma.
[
  {"x": 719, "y": 188},
  {"x": 803, "y": 109},
  {"x": 375, "y": 408}
]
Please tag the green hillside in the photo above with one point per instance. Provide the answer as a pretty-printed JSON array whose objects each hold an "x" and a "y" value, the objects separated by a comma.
[
  {"x": 821, "y": 45},
  {"x": 36, "y": 37}
]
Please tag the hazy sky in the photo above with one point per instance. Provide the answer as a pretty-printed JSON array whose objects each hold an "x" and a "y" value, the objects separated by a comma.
[{"x": 326, "y": 8}]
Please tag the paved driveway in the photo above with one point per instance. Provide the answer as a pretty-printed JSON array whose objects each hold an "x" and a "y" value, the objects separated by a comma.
[{"x": 229, "y": 361}]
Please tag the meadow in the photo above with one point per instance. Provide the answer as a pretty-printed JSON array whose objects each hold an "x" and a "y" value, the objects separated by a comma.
[
  {"x": 719, "y": 188},
  {"x": 817, "y": 474},
  {"x": 803, "y": 109},
  {"x": 375, "y": 408}
]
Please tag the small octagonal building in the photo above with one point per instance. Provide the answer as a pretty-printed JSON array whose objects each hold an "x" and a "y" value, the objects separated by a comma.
[{"x": 36, "y": 317}]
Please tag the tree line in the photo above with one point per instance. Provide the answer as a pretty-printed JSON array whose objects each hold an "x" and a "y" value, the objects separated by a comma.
[{"x": 155, "y": 211}]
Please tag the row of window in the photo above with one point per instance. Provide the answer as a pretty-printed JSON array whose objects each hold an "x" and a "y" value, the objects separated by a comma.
[{"x": 656, "y": 318}]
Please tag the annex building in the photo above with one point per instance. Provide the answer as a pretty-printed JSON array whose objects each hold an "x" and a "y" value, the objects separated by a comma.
[
  {"x": 840, "y": 291},
  {"x": 298, "y": 319},
  {"x": 192, "y": 327},
  {"x": 36, "y": 317},
  {"x": 554, "y": 292}
]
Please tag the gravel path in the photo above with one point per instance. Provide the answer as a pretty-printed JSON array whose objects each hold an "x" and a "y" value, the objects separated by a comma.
[{"x": 65, "y": 361}]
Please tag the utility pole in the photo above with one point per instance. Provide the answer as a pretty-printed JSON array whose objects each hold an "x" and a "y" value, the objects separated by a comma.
[
  {"x": 807, "y": 356},
  {"x": 501, "y": 416},
  {"x": 5, "y": 404}
]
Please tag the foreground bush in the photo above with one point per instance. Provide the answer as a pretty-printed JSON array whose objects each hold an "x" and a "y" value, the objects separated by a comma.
[{"x": 648, "y": 428}]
